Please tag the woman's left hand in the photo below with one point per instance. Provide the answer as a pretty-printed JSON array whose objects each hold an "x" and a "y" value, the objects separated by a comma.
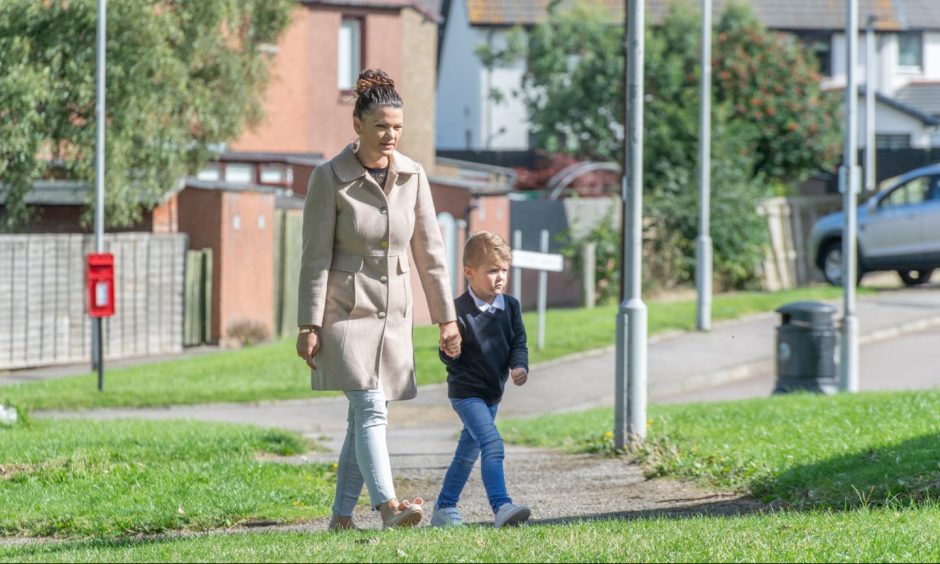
[{"x": 450, "y": 339}]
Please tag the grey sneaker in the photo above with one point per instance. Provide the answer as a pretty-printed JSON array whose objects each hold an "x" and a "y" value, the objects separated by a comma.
[
  {"x": 446, "y": 517},
  {"x": 511, "y": 514}
]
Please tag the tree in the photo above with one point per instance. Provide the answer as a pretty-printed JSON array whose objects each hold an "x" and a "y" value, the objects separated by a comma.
[
  {"x": 182, "y": 78},
  {"x": 573, "y": 88},
  {"x": 771, "y": 81}
]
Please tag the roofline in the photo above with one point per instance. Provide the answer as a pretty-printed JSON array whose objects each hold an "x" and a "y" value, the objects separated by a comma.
[
  {"x": 193, "y": 182},
  {"x": 925, "y": 118},
  {"x": 474, "y": 187},
  {"x": 417, "y": 7},
  {"x": 307, "y": 159}
]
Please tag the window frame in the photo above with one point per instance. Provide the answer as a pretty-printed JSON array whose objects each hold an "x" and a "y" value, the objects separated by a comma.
[
  {"x": 919, "y": 67},
  {"x": 361, "y": 21}
]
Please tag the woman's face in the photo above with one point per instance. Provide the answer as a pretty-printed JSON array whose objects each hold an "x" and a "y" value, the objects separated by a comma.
[{"x": 379, "y": 131}]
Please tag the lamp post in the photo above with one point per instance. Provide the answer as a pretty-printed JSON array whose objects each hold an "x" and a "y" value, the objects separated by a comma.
[
  {"x": 630, "y": 388},
  {"x": 703, "y": 245},
  {"x": 848, "y": 380},
  {"x": 870, "y": 91},
  {"x": 98, "y": 322}
]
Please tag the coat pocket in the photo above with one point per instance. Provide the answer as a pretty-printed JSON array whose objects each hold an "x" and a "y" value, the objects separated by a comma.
[
  {"x": 341, "y": 292},
  {"x": 404, "y": 278}
]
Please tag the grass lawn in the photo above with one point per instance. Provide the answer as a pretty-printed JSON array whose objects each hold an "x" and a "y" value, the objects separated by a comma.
[
  {"x": 111, "y": 478},
  {"x": 876, "y": 535},
  {"x": 805, "y": 450},
  {"x": 273, "y": 371},
  {"x": 858, "y": 475}
]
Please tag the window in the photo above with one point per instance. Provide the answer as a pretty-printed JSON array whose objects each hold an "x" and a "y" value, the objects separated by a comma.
[
  {"x": 820, "y": 43},
  {"x": 275, "y": 174},
  {"x": 911, "y": 50},
  {"x": 935, "y": 189},
  {"x": 212, "y": 172},
  {"x": 893, "y": 141},
  {"x": 350, "y": 53},
  {"x": 912, "y": 193},
  {"x": 240, "y": 173}
]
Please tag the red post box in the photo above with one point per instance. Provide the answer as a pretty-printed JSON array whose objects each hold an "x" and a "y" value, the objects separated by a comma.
[{"x": 99, "y": 279}]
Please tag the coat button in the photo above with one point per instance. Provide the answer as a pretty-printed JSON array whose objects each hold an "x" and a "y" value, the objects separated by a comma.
[
  {"x": 381, "y": 315},
  {"x": 384, "y": 244},
  {"x": 383, "y": 279},
  {"x": 383, "y": 210}
]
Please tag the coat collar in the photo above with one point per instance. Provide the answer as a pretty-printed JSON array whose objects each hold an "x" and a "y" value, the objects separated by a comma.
[{"x": 348, "y": 168}]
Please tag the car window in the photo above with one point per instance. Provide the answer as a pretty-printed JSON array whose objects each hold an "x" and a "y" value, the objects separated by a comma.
[
  {"x": 911, "y": 193},
  {"x": 934, "y": 192}
]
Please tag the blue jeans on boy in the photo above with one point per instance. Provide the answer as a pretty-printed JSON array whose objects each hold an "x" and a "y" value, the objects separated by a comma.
[{"x": 479, "y": 436}]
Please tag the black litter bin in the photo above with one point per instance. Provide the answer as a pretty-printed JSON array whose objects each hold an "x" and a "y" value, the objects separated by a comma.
[{"x": 806, "y": 348}]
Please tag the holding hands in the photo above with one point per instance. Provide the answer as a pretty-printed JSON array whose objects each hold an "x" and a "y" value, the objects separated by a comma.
[
  {"x": 450, "y": 339},
  {"x": 519, "y": 376}
]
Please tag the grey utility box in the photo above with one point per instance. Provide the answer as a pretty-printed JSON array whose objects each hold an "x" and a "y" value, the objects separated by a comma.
[{"x": 806, "y": 348}]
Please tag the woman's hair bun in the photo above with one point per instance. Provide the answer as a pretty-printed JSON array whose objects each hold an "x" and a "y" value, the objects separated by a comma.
[{"x": 369, "y": 79}]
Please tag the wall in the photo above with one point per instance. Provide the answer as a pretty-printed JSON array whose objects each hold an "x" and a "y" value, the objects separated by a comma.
[
  {"x": 288, "y": 123},
  {"x": 43, "y": 317},
  {"x": 417, "y": 87},
  {"x": 890, "y": 77},
  {"x": 200, "y": 216},
  {"x": 246, "y": 261},
  {"x": 504, "y": 125},
  {"x": 304, "y": 110},
  {"x": 557, "y": 216},
  {"x": 459, "y": 84},
  {"x": 889, "y": 120}
]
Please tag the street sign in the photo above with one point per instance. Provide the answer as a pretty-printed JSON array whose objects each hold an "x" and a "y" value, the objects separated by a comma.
[{"x": 550, "y": 262}]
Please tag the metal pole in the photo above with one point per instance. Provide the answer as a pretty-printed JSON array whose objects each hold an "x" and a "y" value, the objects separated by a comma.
[
  {"x": 630, "y": 389},
  {"x": 703, "y": 245},
  {"x": 870, "y": 90},
  {"x": 516, "y": 271},
  {"x": 849, "y": 369},
  {"x": 543, "y": 290},
  {"x": 98, "y": 341}
]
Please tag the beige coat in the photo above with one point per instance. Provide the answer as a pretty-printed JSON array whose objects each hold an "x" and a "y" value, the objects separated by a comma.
[{"x": 354, "y": 275}]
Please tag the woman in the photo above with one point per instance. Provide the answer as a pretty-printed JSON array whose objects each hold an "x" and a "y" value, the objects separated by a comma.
[{"x": 363, "y": 210}]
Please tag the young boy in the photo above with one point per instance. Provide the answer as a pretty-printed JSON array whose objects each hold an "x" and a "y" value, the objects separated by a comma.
[{"x": 493, "y": 347}]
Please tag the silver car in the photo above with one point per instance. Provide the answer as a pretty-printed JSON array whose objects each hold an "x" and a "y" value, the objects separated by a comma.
[{"x": 898, "y": 229}]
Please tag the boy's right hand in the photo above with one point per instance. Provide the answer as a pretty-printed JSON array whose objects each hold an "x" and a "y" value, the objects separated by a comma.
[{"x": 519, "y": 376}]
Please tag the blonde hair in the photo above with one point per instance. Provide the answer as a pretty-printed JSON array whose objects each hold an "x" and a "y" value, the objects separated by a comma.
[{"x": 484, "y": 247}]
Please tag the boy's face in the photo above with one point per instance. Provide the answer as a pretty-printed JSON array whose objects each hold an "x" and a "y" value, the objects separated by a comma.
[{"x": 487, "y": 280}]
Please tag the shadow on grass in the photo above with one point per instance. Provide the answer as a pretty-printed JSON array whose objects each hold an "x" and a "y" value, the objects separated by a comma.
[{"x": 904, "y": 472}]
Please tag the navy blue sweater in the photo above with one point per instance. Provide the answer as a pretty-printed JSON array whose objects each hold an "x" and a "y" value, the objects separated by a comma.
[{"x": 493, "y": 343}]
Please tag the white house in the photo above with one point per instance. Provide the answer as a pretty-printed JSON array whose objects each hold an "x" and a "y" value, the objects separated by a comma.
[
  {"x": 468, "y": 117},
  {"x": 907, "y": 76}
]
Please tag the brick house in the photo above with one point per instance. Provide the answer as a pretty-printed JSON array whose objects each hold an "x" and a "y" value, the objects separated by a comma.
[{"x": 309, "y": 102}]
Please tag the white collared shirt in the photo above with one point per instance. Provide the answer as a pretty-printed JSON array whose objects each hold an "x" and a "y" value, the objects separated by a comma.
[{"x": 498, "y": 303}]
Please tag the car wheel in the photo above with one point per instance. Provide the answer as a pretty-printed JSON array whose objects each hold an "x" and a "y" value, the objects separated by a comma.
[
  {"x": 831, "y": 264},
  {"x": 915, "y": 277}
]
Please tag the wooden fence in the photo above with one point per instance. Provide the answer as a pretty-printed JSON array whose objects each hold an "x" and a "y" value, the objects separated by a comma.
[
  {"x": 287, "y": 242},
  {"x": 197, "y": 318},
  {"x": 43, "y": 318}
]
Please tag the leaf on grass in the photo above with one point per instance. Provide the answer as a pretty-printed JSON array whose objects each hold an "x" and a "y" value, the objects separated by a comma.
[
  {"x": 401, "y": 553},
  {"x": 180, "y": 510}
]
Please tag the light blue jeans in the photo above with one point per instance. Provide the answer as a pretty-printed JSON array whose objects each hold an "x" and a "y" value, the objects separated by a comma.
[
  {"x": 479, "y": 437},
  {"x": 364, "y": 456}
]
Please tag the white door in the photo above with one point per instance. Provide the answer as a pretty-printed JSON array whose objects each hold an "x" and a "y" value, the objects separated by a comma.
[{"x": 894, "y": 227}]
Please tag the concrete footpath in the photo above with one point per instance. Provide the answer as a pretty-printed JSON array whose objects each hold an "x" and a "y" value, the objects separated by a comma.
[{"x": 734, "y": 360}]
